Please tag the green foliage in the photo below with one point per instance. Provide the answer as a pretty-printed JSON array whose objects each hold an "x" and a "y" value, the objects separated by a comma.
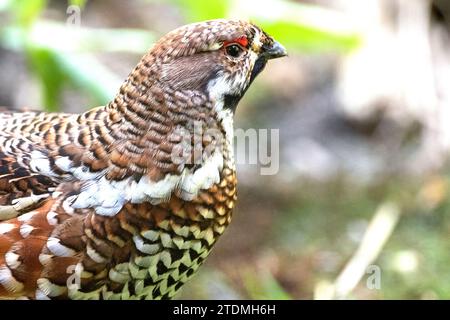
[
  {"x": 264, "y": 287},
  {"x": 297, "y": 26},
  {"x": 327, "y": 218},
  {"x": 304, "y": 37},
  {"x": 198, "y": 10},
  {"x": 26, "y": 12},
  {"x": 50, "y": 73},
  {"x": 48, "y": 45},
  {"x": 54, "y": 70},
  {"x": 80, "y": 3}
]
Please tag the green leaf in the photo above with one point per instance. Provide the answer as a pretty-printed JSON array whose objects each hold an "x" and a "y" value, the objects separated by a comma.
[
  {"x": 26, "y": 11},
  {"x": 198, "y": 10},
  {"x": 90, "y": 75},
  {"x": 302, "y": 26},
  {"x": 51, "y": 76},
  {"x": 298, "y": 26},
  {"x": 308, "y": 38},
  {"x": 53, "y": 51},
  {"x": 80, "y": 3},
  {"x": 63, "y": 38},
  {"x": 55, "y": 71}
]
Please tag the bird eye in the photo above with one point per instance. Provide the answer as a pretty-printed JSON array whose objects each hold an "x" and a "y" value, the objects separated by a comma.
[{"x": 233, "y": 50}]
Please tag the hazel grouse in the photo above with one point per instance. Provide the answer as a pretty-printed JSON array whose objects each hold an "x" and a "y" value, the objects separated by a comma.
[{"x": 125, "y": 201}]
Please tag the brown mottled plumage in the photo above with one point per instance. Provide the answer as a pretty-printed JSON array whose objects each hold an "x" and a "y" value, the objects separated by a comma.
[{"x": 126, "y": 201}]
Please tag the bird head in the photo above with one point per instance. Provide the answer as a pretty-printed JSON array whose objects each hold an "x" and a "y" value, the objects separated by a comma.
[{"x": 219, "y": 57}]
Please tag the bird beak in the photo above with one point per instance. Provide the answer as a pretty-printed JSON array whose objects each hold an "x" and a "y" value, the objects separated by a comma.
[{"x": 275, "y": 51}]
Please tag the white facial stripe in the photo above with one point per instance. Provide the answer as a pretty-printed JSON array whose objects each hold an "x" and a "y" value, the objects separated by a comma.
[
  {"x": 257, "y": 43},
  {"x": 219, "y": 87}
]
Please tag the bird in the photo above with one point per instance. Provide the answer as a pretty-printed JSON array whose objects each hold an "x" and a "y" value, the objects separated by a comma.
[{"x": 125, "y": 201}]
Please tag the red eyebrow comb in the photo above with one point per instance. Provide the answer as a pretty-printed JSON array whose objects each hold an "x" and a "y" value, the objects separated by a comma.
[{"x": 243, "y": 41}]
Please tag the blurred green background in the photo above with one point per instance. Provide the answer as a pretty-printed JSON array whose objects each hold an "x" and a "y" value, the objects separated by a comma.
[{"x": 363, "y": 108}]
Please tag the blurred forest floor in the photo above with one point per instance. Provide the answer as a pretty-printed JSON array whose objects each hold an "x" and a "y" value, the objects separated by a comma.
[{"x": 356, "y": 131}]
